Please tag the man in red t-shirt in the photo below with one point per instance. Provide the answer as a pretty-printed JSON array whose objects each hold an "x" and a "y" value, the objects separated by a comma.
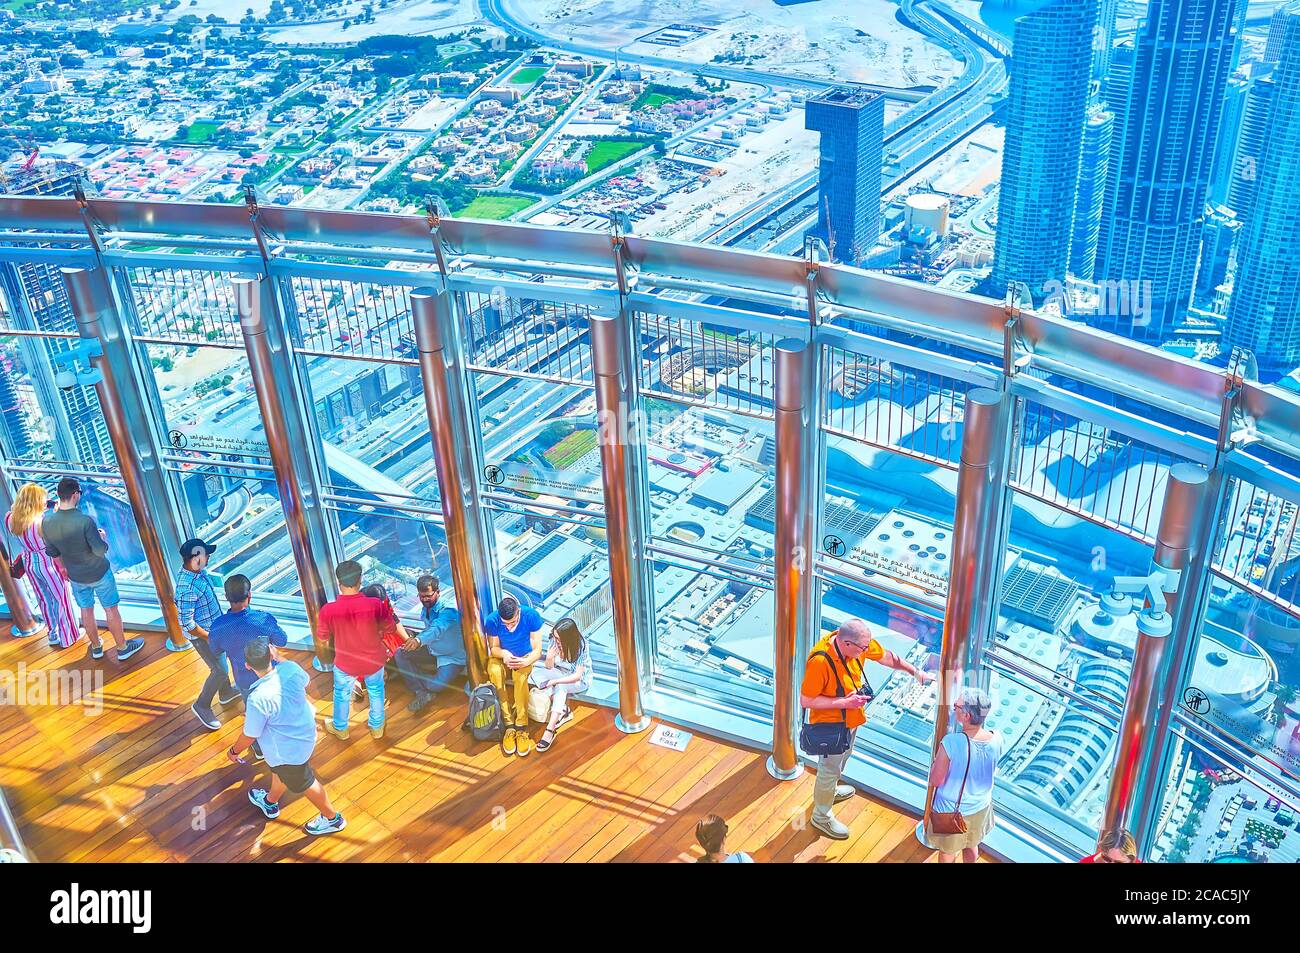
[{"x": 355, "y": 625}]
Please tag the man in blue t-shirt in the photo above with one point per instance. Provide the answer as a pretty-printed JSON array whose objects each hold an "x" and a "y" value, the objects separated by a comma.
[
  {"x": 241, "y": 624},
  {"x": 514, "y": 644}
]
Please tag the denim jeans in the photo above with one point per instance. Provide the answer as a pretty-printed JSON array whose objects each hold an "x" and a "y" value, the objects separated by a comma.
[
  {"x": 217, "y": 681},
  {"x": 424, "y": 674},
  {"x": 343, "y": 685}
]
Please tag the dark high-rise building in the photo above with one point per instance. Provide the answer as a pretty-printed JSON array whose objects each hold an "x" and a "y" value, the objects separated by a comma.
[
  {"x": 1162, "y": 164},
  {"x": 1264, "y": 314},
  {"x": 1222, "y": 226},
  {"x": 851, "y": 121},
  {"x": 1046, "y": 112}
]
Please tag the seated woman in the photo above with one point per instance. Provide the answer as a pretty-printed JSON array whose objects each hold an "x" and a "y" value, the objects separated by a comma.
[
  {"x": 711, "y": 832},
  {"x": 396, "y": 639},
  {"x": 565, "y": 671}
]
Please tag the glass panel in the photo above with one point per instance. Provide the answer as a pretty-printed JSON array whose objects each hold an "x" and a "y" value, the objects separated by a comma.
[
  {"x": 715, "y": 364},
  {"x": 371, "y": 420},
  {"x": 528, "y": 335},
  {"x": 1057, "y": 567},
  {"x": 1056, "y": 754},
  {"x": 711, "y": 478},
  {"x": 1218, "y": 810},
  {"x": 539, "y": 439},
  {"x": 557, "y": 563},
  {"x": 239, "y": 512},
  {"x": 396, "y": 549},
  {"x": 364, "y": 319},
  {"x": 714, "y": 634},
  {"x": 1258, "y": 546},
  {"x": 1245, "y": 675},
  {"x": 1088, "y": 468},
  {"x": 887, "y": 404},
  {"x": 888, "y": 517},
  {"x": 209, "y": 406}
]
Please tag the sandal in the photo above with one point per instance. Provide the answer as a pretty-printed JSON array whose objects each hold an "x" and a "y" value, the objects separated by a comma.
[{"x": 548, "y": 738}]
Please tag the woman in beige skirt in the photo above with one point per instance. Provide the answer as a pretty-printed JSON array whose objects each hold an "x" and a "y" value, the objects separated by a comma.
[{"x": 961, "y": 779}]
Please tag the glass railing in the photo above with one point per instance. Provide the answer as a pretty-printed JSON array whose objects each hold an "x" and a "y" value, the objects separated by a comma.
[{"x": 1098, "y": 423}]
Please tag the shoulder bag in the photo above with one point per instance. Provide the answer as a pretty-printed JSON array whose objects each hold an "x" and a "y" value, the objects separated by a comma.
[{"x": 951, "y": 822}]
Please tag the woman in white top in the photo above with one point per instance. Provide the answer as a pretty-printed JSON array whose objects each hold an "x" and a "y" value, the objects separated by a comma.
[
  {"x": 566, "y": 671},
  {"x": 961, "y": 779}
]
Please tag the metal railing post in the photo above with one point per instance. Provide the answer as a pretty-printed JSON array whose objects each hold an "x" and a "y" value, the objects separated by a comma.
[
  {"x": 1158, "y": 656},
  {"x": 93, "y": 307},
  {"x": 795, "y": 513},
  {"x": 975, "y": 565},
  {"x": 270, "y": 364},
  {"x": 619, "y": 446},
  {"x": 442, "y": 375},
  {"x": 20, "y": 613}
]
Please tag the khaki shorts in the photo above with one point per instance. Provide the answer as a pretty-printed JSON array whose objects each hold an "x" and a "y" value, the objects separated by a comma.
[{"x": 978, "y": 826}]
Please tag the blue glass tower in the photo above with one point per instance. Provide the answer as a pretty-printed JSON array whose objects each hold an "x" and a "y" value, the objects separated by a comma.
[
  {"x": 852, "y": 125},
  {"x": 1050, "y": 79},
  {"x": 1162, "y": 164},
  {"x": 1264, "y": 314}
]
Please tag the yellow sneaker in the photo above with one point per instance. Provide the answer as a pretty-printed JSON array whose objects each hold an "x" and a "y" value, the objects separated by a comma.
[
  {"x": 509, "y": 743},
  {"x": 523, "y": 742},
  {"x": 341, "y": 735},
  {"x": 377, "y": 733}
]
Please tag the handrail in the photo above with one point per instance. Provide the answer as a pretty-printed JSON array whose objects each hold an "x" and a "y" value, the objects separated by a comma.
[{"x": 1131, "y": 369}]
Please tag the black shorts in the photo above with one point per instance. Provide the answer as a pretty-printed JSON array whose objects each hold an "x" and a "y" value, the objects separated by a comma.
[{"x": 296, "y": 777}]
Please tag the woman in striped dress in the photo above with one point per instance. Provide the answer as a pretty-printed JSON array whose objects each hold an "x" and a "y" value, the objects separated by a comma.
[{"x": 45, "y": 575}]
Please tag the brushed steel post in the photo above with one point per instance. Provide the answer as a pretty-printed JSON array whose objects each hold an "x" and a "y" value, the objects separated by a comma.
[
  {"x": 93, "y": 307},
  {"x": 794, "y": 546},
  {"x": 975, "y": 563},
  {"x": 435, "y": 338},
  {"x": 610, "y": 343},
  {"x": 270, "y": 365},
  {"x": 20, "y": 613},
  {"x": 1158, "y": 655}
]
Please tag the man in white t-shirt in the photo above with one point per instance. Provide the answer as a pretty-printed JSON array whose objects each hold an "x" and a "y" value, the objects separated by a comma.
[{"x": 278, "y": 716}]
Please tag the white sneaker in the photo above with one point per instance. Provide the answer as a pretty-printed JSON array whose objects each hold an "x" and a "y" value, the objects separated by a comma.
[
  {"x": 844, "y": 791},
  {"x": 830, "y": 826}
]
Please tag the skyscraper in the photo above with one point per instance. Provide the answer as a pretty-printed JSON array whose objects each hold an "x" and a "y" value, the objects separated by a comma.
[
  {"x": 1162, "y": 163},
  {"x": 851, "y": 121},
  {"x": 1235, "y": 97},
  {"x": 1264, "y": 314},
  {"x": 1219, "y": 236},
  {"x": 1052, "y": 55},
  {"x": 1097, "y": 136},
  {"x": 1251, "y": 141},
  {"x": 1277, "y": 30}
]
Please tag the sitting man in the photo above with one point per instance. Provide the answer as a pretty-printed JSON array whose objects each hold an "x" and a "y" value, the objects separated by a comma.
[
  {"x": 434, "y": 659},
  {"x": 514, "y": 643}
]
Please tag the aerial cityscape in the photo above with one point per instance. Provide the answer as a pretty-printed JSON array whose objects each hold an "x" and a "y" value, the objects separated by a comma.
[{"x": 993, "y": 147}]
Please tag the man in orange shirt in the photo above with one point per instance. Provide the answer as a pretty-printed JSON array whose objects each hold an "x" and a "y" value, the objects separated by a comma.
[{"x": 848, "y": 648}]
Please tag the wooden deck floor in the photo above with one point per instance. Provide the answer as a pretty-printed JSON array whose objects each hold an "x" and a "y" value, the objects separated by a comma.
[{"x": 141, "y": 781}]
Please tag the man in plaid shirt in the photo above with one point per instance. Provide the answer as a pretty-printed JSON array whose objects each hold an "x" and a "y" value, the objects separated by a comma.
[{"x": 196, "y": 602}]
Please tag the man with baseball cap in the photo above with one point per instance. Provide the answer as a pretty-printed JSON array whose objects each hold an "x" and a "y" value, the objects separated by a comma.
[{"x": 196, "y": 603}]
